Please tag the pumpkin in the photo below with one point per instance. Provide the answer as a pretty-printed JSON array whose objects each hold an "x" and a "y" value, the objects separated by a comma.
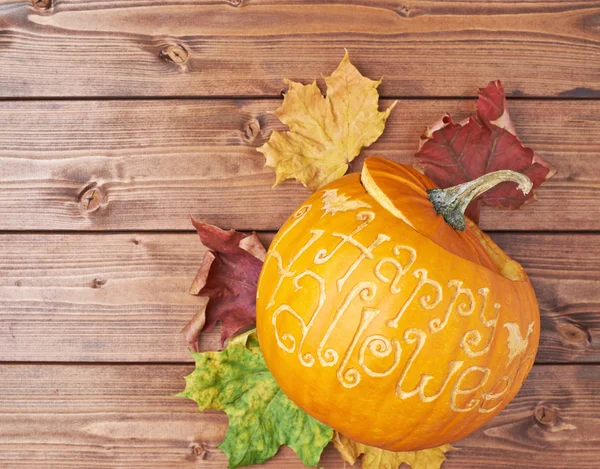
[{"x": 386, "y": 314}]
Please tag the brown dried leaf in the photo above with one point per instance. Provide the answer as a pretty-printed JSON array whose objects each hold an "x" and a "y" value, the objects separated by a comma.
[
  {"x": 376, "y": 458},
  {"x": 326, "y": 133},
  {"x": 452, "y": 153},
  {"x": 228, "y": 276}
]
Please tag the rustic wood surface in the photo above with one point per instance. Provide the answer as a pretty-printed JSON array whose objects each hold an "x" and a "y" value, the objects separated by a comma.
[
  {"x": 244, "y": 47},
  {"x": 146, "y": 165},
  {"x": 119, "y": 118},
  {"x": 123, "y": 415},
  {"x": 123, "y": 297}
]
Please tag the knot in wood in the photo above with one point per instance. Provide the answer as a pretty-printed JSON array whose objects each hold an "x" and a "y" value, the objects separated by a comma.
[
  {"x": 251, "y": 130},
  {"x": 591, "y": 23},
  {"x": 97, "y": 283},
  {"x": 91, "y": 199},
  {"x": 236, "y": 3},
  {"x": 545, "y": 415},
  {"x": 574, "y": 333},
  {"x": 404, "y": 11},
  {"x": 175, "y": 53},
  {"x": 42, "y": 4},
  {"x": 198, "y": 451}
]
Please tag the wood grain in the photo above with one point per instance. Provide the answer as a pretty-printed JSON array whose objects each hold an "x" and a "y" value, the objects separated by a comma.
[
  {"x": 245, "y": 47},
  {"x": 123, "y": 297},
  {"x": 122, "y": 416},
  {"x": 90, "y": 318},
  {"x": 146, "y": 165}
]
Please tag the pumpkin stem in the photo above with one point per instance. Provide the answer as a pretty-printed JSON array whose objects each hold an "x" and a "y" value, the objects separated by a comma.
[{"x": 452, "y": 202}]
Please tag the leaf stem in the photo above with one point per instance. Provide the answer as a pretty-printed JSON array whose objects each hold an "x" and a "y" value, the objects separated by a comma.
[{"x": 452, "y": 202}]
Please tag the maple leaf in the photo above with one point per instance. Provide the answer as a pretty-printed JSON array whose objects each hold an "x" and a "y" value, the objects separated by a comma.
[
  {"x": 228, "y": 276},
  {"x": 376, "y": 458},
  {"x": 452, "y": 153},
  {"x": 491, "y": 107},
  {"x": 326, "y": 133},
  {"x": 261, "y": 416}
]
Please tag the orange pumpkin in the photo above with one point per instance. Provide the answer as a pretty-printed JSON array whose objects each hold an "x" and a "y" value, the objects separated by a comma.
[{"x": 384, "y": 313}]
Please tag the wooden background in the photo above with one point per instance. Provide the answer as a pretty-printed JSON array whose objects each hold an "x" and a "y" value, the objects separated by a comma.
[{"x": 118, "y": 118}]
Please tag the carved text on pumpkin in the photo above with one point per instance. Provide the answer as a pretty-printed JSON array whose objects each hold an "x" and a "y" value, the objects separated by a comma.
[{"x": 427, "y": 294}]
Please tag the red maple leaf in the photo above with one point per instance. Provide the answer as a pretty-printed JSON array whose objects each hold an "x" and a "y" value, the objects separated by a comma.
[
  {"x": 452, "y": 153},
  {"x": 228, "y": 276}
]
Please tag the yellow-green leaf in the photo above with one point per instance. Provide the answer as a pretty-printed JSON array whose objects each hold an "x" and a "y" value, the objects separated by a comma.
[
  {"x": 326, "y": 133},
  {"x": 375, "y": 458},
  {"x": 261, "y": 417}
]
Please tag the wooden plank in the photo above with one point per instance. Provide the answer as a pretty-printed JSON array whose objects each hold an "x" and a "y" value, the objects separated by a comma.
[
  {"x": 122, "y": 416},
  {"x": 207, "y": 48},
  {"x": 123, "y": 297},
  {"x": 146, "y": 165},
  {"x": 563, "y": 269}
]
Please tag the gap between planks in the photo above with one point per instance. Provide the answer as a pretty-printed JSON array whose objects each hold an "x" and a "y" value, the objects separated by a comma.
[
  {"x": 275, "y": 98},
  {"x": 183, "y": 363},
  {"x": 258, "y": 232}
]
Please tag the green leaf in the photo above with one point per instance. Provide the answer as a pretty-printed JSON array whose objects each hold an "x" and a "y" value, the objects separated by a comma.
[{"x": 261, "y": 416}]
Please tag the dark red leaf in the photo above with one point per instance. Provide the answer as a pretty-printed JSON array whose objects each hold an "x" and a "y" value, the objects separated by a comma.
[
  {"x": 192, "y": 329},
  {"x": 491, "y": 107},
  {"x": 452, "y": 153},
  {"x": 228, "y": 276}
]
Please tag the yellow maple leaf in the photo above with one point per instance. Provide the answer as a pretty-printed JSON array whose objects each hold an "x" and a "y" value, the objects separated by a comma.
[
  {"x": 326, "y": 133},
  {"x": 376, "y": 458}
]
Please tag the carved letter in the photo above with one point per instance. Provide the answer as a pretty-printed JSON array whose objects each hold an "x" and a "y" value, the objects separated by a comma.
[
  {"x": 436, "y": 324},
  {"x": 366, "y": 291},
  {"x": 351, "y": 377},
  {"x": 400, "y": 270},
  {"x": 416, "y": 335},
  {"x": 491, "y": 396},
  {"x": 473, "y": 337},
  {"x": 366, "y": 253},
  {"x": 286, "y": 272},
  {"x": 425, "y": 301},
  {"x": 306, "y": 359},
  {"x": 457, "y": 391},
  {"x": 366, "y": 217},
  {"x": 381, "y": 347}
]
